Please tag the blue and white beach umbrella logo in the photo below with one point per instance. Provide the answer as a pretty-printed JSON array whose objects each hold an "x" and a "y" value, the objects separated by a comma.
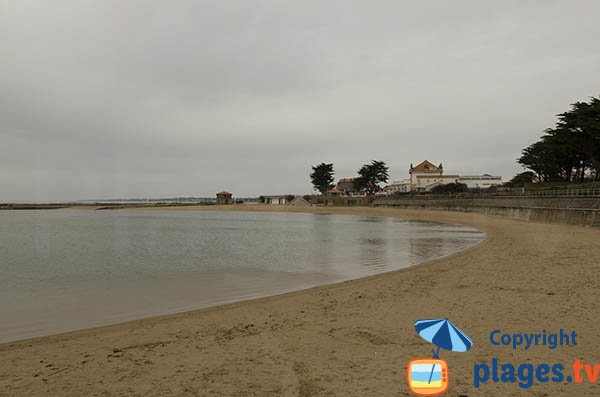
[
  {"x": 443, "y": 334},
  {"x": 429, "y": 376}
]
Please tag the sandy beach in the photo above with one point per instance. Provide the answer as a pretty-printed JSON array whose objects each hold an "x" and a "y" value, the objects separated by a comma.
[{"x": 349, "y": 339}]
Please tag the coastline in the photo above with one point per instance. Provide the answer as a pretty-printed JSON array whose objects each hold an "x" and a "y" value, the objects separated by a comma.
[{"x": 350, "y": 338}]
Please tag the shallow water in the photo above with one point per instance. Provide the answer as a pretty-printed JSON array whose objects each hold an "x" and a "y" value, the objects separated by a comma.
[{"x": 66, "y": 270}]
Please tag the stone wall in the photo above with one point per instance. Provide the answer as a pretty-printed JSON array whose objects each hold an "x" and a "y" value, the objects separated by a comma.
[
  {"x": 341, "y": 201},
  {"x": 571, "y": 210}
]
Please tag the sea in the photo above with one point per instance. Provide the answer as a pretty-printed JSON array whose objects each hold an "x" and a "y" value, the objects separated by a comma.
[{"x": 63, "y": 270}]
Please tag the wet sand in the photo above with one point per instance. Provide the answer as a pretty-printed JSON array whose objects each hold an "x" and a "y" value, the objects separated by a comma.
[{"x": 348, "y": 339}]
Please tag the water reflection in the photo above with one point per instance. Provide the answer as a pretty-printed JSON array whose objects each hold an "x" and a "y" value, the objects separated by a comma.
[
  {"x": 426, "y": 248},
  {"x": 323, "y": 233},
  {"x": 373, "y": 219}
]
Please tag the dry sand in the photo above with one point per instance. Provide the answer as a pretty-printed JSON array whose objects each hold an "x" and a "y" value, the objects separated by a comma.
[{"x": 348, "y": 339}]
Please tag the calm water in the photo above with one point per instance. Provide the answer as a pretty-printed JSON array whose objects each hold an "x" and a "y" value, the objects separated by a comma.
[{"x": 65, "y": 270}]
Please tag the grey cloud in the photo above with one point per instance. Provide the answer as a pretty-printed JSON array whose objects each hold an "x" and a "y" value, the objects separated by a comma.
[{"x": 113, "y": 99}]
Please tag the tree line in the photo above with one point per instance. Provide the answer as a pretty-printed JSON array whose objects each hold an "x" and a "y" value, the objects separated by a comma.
[
  {"x": 569, "y": 152},
  {"x": 368, "y": 180}
]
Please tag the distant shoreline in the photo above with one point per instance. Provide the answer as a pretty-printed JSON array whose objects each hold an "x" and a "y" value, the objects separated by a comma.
[
  {"x": 94, "y": 206},
  {"x": 10, "y": 206}
]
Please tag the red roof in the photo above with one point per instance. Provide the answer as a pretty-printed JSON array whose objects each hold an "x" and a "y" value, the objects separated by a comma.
[
  {"x": 224, "y": 193},
  {"x": 426, "y": 166}
]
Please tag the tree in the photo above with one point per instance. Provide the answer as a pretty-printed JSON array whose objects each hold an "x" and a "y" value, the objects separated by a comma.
[
  {"x": 582, "y": 122},
  {"x": 370, "y": 176},
  {"x": 450, "y": 188},
  {"x": 322, "y": 177},
  {"x": 542, "y": 157},
  {"x": 570, "y": 152},
  {"x": 522, "y": 179}
]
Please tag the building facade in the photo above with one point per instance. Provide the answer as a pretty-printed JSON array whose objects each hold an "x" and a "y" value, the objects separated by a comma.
[
  {"x": 277, "y": 199},
  {"x": 480, "y": 181},
  {"x": 224, "y": 198},
  {"x": 426, "y": 175},
  {"x": 402, "y": 186},
  {"x": 346, "y": 185}
]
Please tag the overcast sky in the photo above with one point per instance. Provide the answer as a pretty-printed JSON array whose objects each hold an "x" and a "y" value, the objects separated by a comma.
[{"x": 106, "y": 99}]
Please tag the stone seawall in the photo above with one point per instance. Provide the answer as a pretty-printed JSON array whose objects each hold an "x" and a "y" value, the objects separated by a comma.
[{"x": 571, "y": 210}]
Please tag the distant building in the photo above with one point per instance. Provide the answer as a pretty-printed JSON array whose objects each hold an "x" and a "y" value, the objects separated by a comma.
[
  {"x": 334, "y": 192},
  {"x": 346, "y": 185},
  {"x": 480, "y": 181},
  {"x": 402, "y": 186},
  {"x": 224, "y": 198},
  {"x": 426, "y": 175},
  {"x": 332, "y": 196},
  {"x": 357, "y": 194},
  {"x": 277, "y": 199}
]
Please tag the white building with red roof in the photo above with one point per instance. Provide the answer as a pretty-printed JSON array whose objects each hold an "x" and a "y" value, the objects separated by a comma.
[{"x": 426, "y": 175}]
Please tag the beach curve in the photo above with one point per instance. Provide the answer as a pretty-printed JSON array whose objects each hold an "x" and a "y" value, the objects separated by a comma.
[{"x": 351, "y": 338}]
